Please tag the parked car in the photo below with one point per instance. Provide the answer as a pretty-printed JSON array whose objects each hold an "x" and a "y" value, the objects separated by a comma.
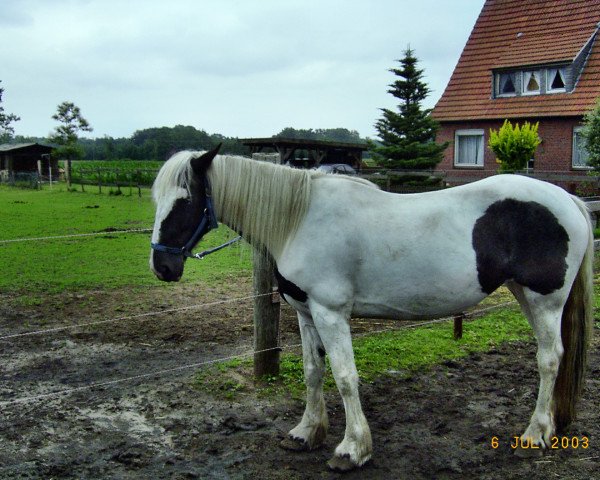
[{"x": 337, "y": 168}]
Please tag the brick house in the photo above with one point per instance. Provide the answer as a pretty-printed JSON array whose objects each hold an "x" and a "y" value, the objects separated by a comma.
[{"x": 537, "y": 61}]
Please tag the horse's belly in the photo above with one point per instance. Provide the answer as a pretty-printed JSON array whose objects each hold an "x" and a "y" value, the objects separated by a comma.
[
  {"x": 417, "y": 307},
  {"x": 424, "y": 291}
]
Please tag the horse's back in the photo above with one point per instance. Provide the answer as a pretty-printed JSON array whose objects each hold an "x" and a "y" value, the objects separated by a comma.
[{"x": 422, "y": 255}]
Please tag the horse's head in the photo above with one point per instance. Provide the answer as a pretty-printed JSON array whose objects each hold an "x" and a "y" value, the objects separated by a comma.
[{"x": 183, "y": 212}]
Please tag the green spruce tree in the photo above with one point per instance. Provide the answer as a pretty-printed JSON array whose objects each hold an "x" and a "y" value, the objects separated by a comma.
[{"x": 408, "y": 135}]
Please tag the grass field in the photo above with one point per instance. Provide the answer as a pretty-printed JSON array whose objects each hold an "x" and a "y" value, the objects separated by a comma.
[{"x": 106, "y": 261}]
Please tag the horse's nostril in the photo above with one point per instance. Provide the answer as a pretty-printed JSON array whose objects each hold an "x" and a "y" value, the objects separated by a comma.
[{"x": 164, "y": 271}]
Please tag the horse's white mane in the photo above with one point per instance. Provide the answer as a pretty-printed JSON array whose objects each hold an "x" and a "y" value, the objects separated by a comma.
[
  {"x": 175, "y": 173},
  {"x": 264, "y": 201}
]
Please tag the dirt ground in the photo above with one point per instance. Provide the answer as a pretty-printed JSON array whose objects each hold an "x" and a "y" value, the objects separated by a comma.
[{"x": 438, "y": 424}]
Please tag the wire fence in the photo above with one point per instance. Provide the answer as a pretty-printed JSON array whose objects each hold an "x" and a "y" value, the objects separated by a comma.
[
  {"x": 146, "y": 315},
  {"x": 75, "y": 235},
  {"x": 181, "y": 368},
  {"x": 138, "y": 316}
]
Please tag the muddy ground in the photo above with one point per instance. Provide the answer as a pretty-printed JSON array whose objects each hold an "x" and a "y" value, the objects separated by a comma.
[{"x": 438, "y": 424}]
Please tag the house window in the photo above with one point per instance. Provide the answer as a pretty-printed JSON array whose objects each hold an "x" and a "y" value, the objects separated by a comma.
[
  {"x": 580, "y": 153},
  {"x": 556, "y": 80},
  {"x": 507, "y": 84},
  {"x": 532, "y": 83},
  {"x": 468, "y": 148}
]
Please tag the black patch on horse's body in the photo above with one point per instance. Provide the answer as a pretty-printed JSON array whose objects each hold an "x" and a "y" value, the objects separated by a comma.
[
  {"x": 289, "y": 288},
  {"x": 520, "y": 241}
]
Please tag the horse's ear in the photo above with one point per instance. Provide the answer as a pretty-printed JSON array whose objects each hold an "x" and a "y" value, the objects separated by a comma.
[{"x": 200, "y": 164}]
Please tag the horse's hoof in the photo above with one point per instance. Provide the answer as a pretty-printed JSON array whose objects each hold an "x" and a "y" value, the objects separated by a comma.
[
  {"x": 535, "y": 452},
  {"x": 341, "y": 464},
  {"x": 294, "y": 444}
]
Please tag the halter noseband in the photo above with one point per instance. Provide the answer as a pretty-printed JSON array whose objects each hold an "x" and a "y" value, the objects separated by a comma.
[{"x": 207, "y": 223}]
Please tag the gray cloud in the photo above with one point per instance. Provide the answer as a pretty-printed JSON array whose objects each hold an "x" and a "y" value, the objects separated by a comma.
[{"x": 235, "y": 67}]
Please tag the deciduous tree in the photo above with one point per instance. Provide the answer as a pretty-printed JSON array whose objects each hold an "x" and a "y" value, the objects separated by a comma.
[
  {"x": 591, "y": 133},
  {"x": 66, "y": 134},
  {"x": 6, "y": 121}
]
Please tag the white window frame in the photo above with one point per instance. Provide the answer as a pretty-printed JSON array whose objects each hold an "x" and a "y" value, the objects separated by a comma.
[
  {"x": 526, "y": 77},
  {"x": 479, "y": 161},
  {"x": 575, "y": 151},
  {"x": 562, "y": 71}
]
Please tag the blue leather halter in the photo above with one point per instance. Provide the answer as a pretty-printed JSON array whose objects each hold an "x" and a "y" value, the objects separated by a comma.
[{"x": 207, "y": 223}]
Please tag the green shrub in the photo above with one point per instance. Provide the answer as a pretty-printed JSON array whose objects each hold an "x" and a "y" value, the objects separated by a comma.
[
  {"x": 514, "y": 146},
  {"x": 591, "y": 133}
]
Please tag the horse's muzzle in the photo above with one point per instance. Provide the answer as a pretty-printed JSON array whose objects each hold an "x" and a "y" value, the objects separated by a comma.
[
  {"x": 166, "y": 269},
  {"x": 167, "y": 276}
]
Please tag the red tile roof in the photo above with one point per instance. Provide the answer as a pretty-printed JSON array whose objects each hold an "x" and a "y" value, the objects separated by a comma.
[{"x": 518, "y": 33}]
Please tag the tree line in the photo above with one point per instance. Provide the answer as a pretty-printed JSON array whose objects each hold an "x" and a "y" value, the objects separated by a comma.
[
  {"x": 157, "y": 143},
  {"x": 161, "y": 142}
]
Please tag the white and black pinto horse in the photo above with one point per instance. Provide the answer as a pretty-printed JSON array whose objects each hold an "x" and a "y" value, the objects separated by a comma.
[{"x": 344, "y": 248}]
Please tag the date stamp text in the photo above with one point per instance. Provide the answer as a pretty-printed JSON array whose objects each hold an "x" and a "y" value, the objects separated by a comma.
[{"x": 556, "y": 443}]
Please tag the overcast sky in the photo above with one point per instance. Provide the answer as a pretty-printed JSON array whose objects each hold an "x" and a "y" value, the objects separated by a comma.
[{"x": 244, "y": 68}]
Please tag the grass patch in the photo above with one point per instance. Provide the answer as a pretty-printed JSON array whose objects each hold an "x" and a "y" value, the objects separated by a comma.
[
  {"x": 107, "y": 261},
  {"x": 395, "y": 353}
]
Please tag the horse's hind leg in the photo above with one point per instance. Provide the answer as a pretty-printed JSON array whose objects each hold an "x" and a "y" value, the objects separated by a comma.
[
  {"x": 334, "y": 329},
  {"x": 544, "y": 315},
  {"x": 312, "y": 430}
]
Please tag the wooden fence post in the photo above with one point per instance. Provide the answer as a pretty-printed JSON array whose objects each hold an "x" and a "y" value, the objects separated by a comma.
[
  {"x": 266, "y": 316},
  {"x": 138, "y": 176},
  {"x": 68, "y": 172},
  {"x": 458, "y": 326}
]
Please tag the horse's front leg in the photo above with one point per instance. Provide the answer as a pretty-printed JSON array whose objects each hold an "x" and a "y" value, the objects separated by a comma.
[
  {"x": 334, "y": 329},
  {"x": 310, "y": 433}
]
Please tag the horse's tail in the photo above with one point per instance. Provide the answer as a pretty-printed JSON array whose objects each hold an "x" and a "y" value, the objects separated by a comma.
[{"x": 576, "y": 331}]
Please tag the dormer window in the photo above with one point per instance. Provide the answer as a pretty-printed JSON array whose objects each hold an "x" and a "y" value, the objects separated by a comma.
[
  {"x": 556, "y": 80},
  {"x": 532, "y": 84},
  {"x": 539, "y": 81}
]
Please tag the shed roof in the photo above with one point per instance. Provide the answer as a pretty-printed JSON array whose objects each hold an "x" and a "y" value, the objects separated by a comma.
[
  {"x": 273, "y": 142},
  {"x": 517, "y": 33},
  {"x": 15, "y": 147}
]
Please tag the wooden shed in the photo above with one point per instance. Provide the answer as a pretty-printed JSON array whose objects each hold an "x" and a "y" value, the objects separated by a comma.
[
  {"x": 314, "y": 152},
  {"x": 27, "y": 158}
]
